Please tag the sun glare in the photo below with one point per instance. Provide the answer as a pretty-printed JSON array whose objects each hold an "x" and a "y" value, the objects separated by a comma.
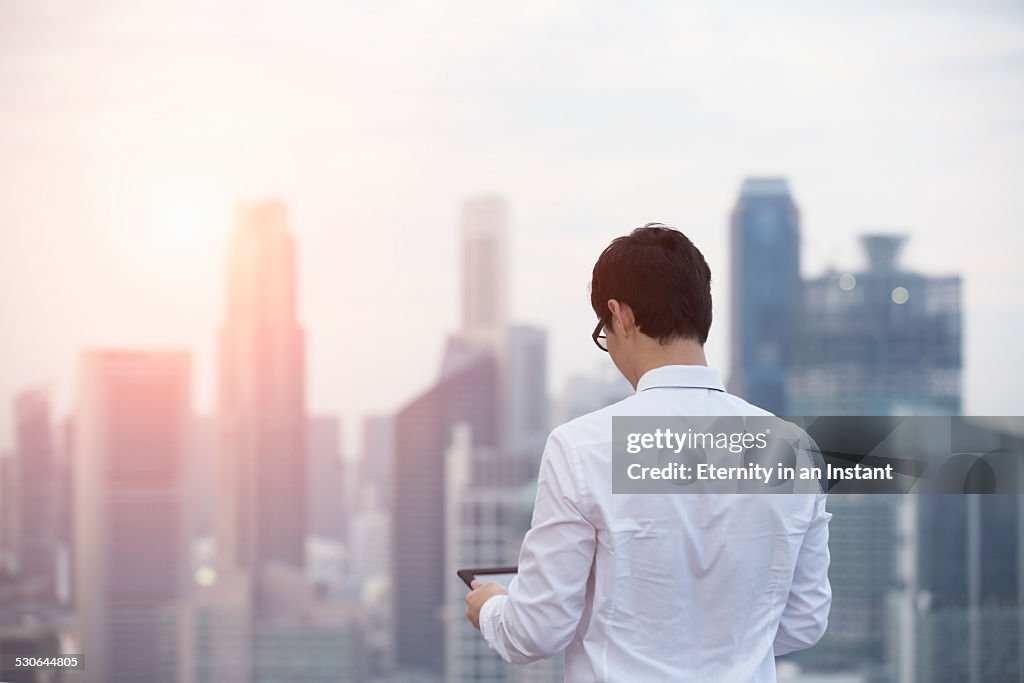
[
  {"x": 185, "y": 227},
  {"x": 173, "y": 228}
]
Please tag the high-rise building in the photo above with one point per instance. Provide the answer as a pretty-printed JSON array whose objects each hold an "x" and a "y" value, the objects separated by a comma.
[
  {"x": 962, "y": 613},
  {"x": 300, "y": 636},
  {"x": 882, "y": 341},
  {"x": 489, "y": 499},
  {"x": 263, "y": 613},
  {"x": 131, "y": 436},
  {"x": 423, "y": 432},
  {"x": 864, "y": 538},
  {"x": 469, "y": 391},
  {"x": 484, "y": 235},
  {"x": 37, "y": 491},
  {"x": 375, "y": 463},
  {"x": 219, "y": 628},
  {"x": 370, "y": 547},
  {"x": 202, "y": 476},
  {"x": 328, "y": 508},
  {"x": 528, "y": 416},
  {"x": 8, "y": 515},
  {"x": 370, "y": 534},
  {"x": 765, "y": 262},
  {"x": 323, "y": 647},
  {"x": 262, "y": 478},
  {"x": 65, "y": 508},
  {"x": 492, "y": 389}
]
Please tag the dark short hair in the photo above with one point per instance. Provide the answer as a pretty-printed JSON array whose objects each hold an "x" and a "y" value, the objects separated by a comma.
[{"x": 662, "y": 276}]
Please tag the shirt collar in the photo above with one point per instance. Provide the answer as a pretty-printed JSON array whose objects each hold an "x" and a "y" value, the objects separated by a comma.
[{"x": 681, "y": 376}]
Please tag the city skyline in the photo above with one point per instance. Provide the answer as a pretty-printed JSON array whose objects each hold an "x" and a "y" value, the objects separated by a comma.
[
  {"x": 129, "y": 134},
  {"x": 261, "y": 413},
  {"x": 294, "y": 294},
  {"x": 204, "y": 400},
  {"x": 206, "y": 373},
  {"x": 469, "y": 415}
]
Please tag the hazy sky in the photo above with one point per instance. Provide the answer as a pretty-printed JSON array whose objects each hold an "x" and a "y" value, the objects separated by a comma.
[{"x": 128, "y": 130}]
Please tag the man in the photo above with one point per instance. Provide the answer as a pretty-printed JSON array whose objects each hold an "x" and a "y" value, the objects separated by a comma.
[{"x": 698, "y": 587}]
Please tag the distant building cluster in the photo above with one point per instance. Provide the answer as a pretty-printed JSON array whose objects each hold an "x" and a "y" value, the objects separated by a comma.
[
  {"x": 925, "y": 587},
  {"x": 242, "y": 547},
  {"x": 881, "y": 341},
  {"x": 466, "y": 457}
]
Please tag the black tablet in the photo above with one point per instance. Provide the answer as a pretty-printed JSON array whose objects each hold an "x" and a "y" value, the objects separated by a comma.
[{"x": 502, "y": 575}]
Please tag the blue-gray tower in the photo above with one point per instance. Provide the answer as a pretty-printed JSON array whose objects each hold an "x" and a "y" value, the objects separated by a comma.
[{"x": 765, "y": 248}]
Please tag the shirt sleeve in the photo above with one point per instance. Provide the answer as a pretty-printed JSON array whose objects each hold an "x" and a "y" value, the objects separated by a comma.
[
  {"x": 545, "y": 600},
  {"x": 805, "y": 616}
]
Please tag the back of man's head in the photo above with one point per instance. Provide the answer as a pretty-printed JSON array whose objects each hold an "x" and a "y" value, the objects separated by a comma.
[{"x": 663, "y": 278}]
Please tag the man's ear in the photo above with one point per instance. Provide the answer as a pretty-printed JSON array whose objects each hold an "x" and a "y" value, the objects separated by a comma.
[{"x": 622, "y": 315}]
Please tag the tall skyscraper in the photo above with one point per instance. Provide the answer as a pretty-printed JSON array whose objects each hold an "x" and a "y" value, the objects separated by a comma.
[
  {"x": 8, "y": 514},
  {"x": 131, "y": 437},
  {"x": 528, "y": 415},
  {"x": 423, "y": 432},
  {"x": 299, "y": 636},
  {"x": 202, "y": 488},
  {"x": 963, "y": 618},
  {"x": 65, "y": 509},
  {"x": 37, "y": 491},
  {"x": 375, "y": 463},
  {"x": 261, "y": 614},
  {"x": 484, "y": 234},
  {"x": 370, "y": 532},
  {"x": 328, "y": 508},
  {"x": 882, "y": 341},
  {"x": 470, "y": 391},
  {"x": 486, "y": 519},
  {"x": 262, "y": 479},
  {"x": 765, "y": 261},
  {"x": 492, "y": 389}
]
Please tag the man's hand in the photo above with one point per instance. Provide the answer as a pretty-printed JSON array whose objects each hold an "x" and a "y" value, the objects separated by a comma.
[{"x": 475, "y": 599}]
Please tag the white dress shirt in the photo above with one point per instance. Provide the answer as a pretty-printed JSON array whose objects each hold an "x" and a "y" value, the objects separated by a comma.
[{"x": 647, "y": 587}]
